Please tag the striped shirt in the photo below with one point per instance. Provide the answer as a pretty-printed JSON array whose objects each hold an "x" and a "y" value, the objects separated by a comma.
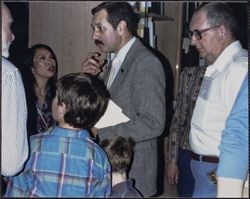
[
  {"x": 63, "y": 163},
  {"x": 14, "y": 116}
]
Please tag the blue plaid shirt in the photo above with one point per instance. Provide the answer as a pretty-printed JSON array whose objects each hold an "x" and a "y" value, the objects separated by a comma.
[{"x": 63, "y": 163}]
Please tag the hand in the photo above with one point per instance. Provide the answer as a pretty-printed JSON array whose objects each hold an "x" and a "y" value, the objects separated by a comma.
[
  {"x": 93, "y": 64},
  {"x": 173, "y": 173},
  {"x": 95, "y": 131}
]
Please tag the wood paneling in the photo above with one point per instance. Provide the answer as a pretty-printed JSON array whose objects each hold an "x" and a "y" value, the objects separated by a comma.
[
  {"x": 65, "y": 27},
  {"x": 169, "y": 36}
]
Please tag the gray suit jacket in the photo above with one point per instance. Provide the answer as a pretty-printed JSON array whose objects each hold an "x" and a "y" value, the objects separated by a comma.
[{"x": 139, "y": 89}]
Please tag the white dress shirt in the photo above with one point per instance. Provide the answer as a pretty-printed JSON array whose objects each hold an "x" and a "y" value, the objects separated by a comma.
[
  {"x": 218, "y": 92},
  {"x": 119, "y": 57},
  {"x": 14, "y": 117}
]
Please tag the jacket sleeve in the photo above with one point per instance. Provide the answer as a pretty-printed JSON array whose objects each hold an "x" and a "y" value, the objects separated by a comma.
[{"x": 147, "y": 90}]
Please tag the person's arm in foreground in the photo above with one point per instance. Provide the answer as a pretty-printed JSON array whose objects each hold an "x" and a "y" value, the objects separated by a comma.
[
  {"x": 14, "y": 133},
  {"x": 233, "y": 165}
]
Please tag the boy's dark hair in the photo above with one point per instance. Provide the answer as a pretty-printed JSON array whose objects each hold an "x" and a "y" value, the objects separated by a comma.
[
  {"x": 118, "y": 11},
  {"x": 120, "y": 152},
  {"x": 86, "y": 99}
]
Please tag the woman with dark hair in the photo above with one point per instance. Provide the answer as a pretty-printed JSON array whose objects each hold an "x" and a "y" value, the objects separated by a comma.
[{"x": 39, "y": 73}]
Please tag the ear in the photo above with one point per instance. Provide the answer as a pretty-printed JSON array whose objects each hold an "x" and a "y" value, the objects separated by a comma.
[
  {"x": 223, "y": 32},
  {"x": 61, "y": 109},
  {"x": 122, "y": 27},
  {"x": 33, "y": 70}
]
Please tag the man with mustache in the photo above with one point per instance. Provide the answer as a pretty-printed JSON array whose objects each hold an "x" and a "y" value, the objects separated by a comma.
[
  {"x": 136, "y": 83},
  {"x": 14, "y": 113}
]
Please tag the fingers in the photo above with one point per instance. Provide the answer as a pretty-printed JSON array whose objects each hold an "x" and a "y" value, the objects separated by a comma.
[
  {"x": 93, "y": 63},
  {"x": 171, "y": 180},
  {"x": 173, "y": 173},
  {"x": 93, "y": 54}
]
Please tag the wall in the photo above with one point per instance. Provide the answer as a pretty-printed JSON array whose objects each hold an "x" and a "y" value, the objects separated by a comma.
[
  {"x": 169, "y": 36},
  {"x": 65, "y": 27}
]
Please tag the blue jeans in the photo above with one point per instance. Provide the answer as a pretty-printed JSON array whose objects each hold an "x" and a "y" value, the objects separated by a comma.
[
  {"x": 203, "y": 186},
  {"x": 185, "y": 186}
]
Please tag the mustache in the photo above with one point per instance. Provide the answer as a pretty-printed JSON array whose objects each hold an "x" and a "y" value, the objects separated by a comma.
[{"x": 98, "y": 42}]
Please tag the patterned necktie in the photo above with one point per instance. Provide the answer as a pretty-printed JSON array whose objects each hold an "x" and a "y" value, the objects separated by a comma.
[{"x": 112, "y": 74}]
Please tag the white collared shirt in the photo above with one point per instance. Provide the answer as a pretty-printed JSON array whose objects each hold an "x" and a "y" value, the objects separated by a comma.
[
  {"x": 121, "y": 56},
  {"x": 218, "y": 92},
  {"x": 14, "y": 117}
]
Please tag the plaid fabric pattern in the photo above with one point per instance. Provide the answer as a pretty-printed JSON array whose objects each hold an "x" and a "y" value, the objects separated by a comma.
[{"x": 63, "y": 163}]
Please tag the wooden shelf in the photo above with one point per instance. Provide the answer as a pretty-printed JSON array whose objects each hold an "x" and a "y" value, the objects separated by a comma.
[{"x": 154, "y": 16}]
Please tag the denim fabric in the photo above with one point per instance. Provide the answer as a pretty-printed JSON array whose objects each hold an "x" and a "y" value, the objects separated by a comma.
[
  {"x": 185, "y": 186},
  {"x": 203, "y": 186}
]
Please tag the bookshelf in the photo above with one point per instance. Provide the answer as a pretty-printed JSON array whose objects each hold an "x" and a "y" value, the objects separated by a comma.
[
  {"x": 154, "y": 16},
  {"x": 148, "y": 13}
]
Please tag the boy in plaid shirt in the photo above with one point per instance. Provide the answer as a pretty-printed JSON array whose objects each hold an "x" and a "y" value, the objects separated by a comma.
[{"x": 65, "y": 161}]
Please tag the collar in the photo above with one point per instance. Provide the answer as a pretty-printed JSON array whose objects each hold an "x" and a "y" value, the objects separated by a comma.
[
  {"x": 63, "y": 132},
  {"x": 121, "y": 185},
  {"x": 124, "y": 50},
  {"x": 224, "y": 58}
]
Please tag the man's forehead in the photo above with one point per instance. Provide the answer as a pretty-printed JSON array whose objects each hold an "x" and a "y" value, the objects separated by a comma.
[
  {"x": 99, "y": 18},
  {"x": 198, "y": 20},
  {"x": 100, "y": 15}
]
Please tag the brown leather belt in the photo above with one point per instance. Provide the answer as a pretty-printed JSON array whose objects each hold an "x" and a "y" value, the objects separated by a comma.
[{"x": 204, "y": 158}]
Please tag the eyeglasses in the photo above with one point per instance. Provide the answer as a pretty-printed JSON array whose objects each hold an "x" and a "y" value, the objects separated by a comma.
[{"x": 197, "y": 33}]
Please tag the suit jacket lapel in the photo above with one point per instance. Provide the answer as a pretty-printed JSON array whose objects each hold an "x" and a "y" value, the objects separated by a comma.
[
  {"x": 106, "y": 73},
  {"x": 126, "y": 64}
]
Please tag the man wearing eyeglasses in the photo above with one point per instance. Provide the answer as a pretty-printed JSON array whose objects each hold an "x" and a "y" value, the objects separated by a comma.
[{"x": 213, "y": 31}]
